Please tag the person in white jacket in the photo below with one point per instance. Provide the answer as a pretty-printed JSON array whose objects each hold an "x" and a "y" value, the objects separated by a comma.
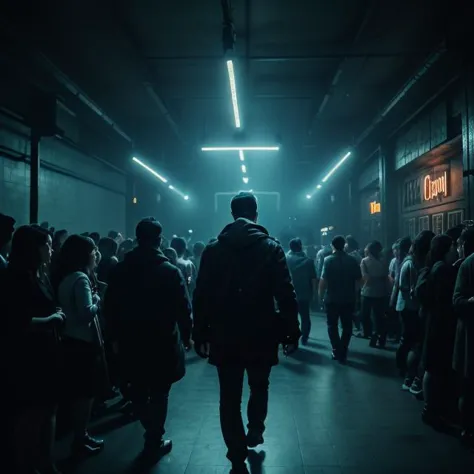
[{"x": 82, "y": 339}]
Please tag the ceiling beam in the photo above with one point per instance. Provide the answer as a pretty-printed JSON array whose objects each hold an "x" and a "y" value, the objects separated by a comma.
[
  {"x": 299, "y": 58},
  {"x": 149, "y": 76},
  {"x": 340, "y": 68}
]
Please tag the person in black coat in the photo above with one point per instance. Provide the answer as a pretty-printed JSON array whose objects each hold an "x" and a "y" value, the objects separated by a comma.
[
  {"x": 437, "y": 292},
  {"x": 148, "y": 315},
  {"x": 236, "y": 324},
  {"x": 463, "y": 358}
]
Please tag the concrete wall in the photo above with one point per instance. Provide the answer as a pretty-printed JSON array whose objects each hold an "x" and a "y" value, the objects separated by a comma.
[{"x": 77, "y": 191}]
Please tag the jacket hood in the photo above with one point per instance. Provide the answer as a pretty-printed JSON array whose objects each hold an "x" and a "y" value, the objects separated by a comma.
[
  {"x": 143, "y": 256},
  {"x": 242, "y": 233}
]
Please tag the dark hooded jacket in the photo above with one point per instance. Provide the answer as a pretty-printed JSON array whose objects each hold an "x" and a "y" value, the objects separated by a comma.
[
  {"x": 240, "y": 278},
  {"x": 147, "y": 312}
]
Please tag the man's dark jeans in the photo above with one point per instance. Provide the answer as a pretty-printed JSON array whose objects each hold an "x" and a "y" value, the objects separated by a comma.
[
  {"x": 231, "y": 380},
  {"x": 305, "y": 314},
  {"x": 150, "y": 403},
  {"x": 373, "y": 318},
  {"x": 344, "y": 312}
]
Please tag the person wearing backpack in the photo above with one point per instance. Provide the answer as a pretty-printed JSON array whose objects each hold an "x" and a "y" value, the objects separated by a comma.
[{"x": 236, "y": 325}]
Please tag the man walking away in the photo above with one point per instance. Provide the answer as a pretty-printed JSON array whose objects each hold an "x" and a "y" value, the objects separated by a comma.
[
  {"x": 303, "y": 274},
  {"x": 149, "y": 317},
  {"x": 340, "y": 283},
  {"x": 236, "y": 325}
]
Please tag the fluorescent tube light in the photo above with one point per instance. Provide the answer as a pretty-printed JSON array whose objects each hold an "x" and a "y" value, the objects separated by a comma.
[
  {"x": 308, "y": 196},
  {"x": 233, "y": 92},
  {"x": 318, "y": 186},
  {"x": 186, "y": 198},
  {"x": 153, "y": 172},
  {"x": 244, "y": 169},
  {"x": 240, "y": 148},
  {"x": 241, "y": 155},
  {"x": 245, "y": 180},
  {"x": 344, "y": 158}
]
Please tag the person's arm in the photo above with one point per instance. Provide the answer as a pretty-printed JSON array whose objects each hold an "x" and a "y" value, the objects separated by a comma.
[
  {"x": 86, "y": 303},
  {"x": 285, "y": 296},
  {"x": 322, "y": 282},
  {"x": 364, "y": 271},
  {"x": 201, "y": 297},
  {"x": 182, "y": 308},
  {"x": 463, "y": 292}
]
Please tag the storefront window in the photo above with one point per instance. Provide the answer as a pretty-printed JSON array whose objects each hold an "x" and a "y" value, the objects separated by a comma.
[
  {"x": 424, "y": 223},
  {"x": 455, "y": 218},
  {"x": 438, "y": 223}
]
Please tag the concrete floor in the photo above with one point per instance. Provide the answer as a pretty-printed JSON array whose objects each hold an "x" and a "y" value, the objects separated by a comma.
[{"x": 324, "y": 418}]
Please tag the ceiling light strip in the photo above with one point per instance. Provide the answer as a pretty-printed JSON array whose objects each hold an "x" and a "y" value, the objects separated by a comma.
[
  {"x": 233, "y": 92},
  {"x": 153, "y": 172},
  {"x": 157, "y": 175},
  {"x": 240, "y": 148},
  {"x": 339, "y": 163}
]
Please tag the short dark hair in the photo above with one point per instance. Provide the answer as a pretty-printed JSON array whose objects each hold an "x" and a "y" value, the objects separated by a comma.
[
  {"x": 148, "y": 232},
  {"x": 113, "y": 234},
  {"x": 108, "y": 247},
  {"x": 198, "y": 248},
  {"x": 375, "y": 249},
  {"x": 455, "y": 232},
  {"x": 338, "y": 242},
  {"x": 95, "y": 236},
  {"x": 179, "y": 244},
  {"x": 27, "y": 241},
  {"x": 352, "y": 242},
  {"x": 244, "y": 205},
  {"x": 296, "y": 245}
]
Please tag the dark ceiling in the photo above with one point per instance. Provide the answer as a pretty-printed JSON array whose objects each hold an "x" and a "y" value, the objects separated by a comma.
[{"x": 310, "y": 74}]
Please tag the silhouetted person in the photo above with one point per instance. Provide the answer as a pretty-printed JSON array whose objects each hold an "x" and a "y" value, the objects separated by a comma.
[
  {"x": 148, "y": 315},
  {"x": 338, "y": 288},
  {"x": 236, "y": 324},
  {"x": 198, "y": 249},
  {"x": 108, "y": 250},
  {"x": 303, "y": 274},
  {"x": 7, "y": 227},
  {"x": 463, "y": 359},
  {"x": 183, "y": 263},
  {"x": 95, "y": 236}
]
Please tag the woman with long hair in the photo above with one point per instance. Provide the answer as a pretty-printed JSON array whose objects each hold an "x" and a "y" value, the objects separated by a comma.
[
  {"x": 33, "y": 323},
  {"x": 438, "y": 381},
  {"x": 82, "y": 341},
  {"x": 374, "y": 294}
]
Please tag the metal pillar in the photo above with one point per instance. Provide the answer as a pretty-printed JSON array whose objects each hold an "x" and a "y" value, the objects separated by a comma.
[
  {"x": 468, "y": 137},
  {"x": 389, "y": 196},
  {"x": 34, "y": 176}
]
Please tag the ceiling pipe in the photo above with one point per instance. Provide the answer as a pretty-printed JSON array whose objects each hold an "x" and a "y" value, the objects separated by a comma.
[
  {"x": 342, "y": 64},
  {"x": 422, "y": 71},
  {"x": 79, "y": 94}
]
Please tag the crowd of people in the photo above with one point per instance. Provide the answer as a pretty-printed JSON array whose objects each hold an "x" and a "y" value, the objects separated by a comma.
[
  {"x": 422, "y": 297},
  {"x": 89, "y": 317}
]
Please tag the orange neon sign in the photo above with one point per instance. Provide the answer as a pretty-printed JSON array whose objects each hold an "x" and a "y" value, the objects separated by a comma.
[
  {"x": 375, "y": 207},
  {"x": 432, "y": 188}
]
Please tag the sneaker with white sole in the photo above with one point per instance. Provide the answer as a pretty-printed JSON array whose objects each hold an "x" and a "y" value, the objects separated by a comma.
[
  {"x": 407, "y": 383},
  {"x": 416, "y": 387}
]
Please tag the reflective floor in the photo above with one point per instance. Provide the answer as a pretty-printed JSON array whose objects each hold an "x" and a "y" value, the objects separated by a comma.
[{"x": 324, "y": 418}]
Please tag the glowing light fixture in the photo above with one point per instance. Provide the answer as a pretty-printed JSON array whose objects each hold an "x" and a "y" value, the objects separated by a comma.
[
  {"x": 186, "y": 198},
  {"x": 153, "y": 172},
  {"x": 245, "y": 180},
  {"x": 240, "y": 148},
  {"x": 241, "y": 155},
  {"x": 134, "y": 200},
  {"x": 308, "y": 196},
  {"x": 338, "y": 164},
  {"x": 190, "y": 231},
  {"x": 244, "y": 169},
  {"x": 233, "y": 92},
  {"x": 171, "y": 187},
  {"x": 318, "y": 186}
]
